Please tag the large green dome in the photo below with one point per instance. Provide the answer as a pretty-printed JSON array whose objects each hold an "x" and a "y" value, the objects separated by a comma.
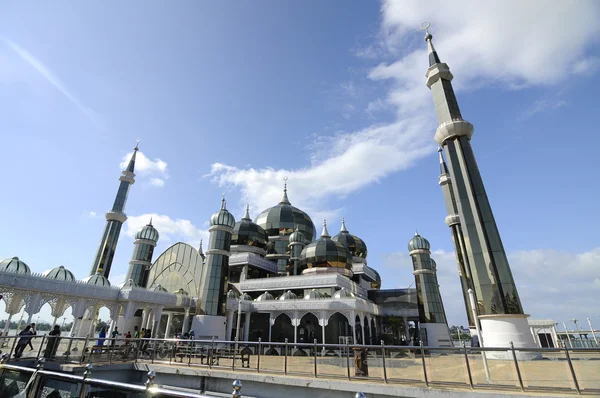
[
  {"x": 356, "y": 245},
  {"x": 325, "y": 252},
  {"x": 246, "y": 232}
]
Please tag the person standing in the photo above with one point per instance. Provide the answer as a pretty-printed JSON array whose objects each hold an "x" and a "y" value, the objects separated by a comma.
[
  {"x": 113, "y": 336},
  {"x": 53, "y": 340},
  {"x": 34, "y": 332},
  {"x": 26, "y": 335},
  {"x": 101, "y": 337}
]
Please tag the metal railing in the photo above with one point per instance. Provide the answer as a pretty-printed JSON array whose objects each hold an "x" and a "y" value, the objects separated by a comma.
[{"x": 561, "y": 370}]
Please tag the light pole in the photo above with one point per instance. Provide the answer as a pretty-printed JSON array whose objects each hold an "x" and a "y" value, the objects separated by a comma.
[
  {"x": 568, "y": 335},
  {"x": 592, "y": 329},
  {"x": 479, "y": 337}
]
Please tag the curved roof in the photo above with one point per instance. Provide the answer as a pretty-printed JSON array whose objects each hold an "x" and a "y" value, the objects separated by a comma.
[
  {"x": 297, "y": 237},
  {"x": 59, "y": 273},
  {"x": 159, "y": 288},
  {"x": 129, "y": 284},
  {"x": 97, "y": 279},
  {"x": 223, "y": 217},
  {"x": 325, "y": 252},
  {"x": 313, "y": 295},
  {"x": 14, "y": 265},
  {"x": 264, "y": 297},
  {"x": 343, "y": 293},
  {"x": 232, "y": 294},
  {"x": 246, "y": 297},
  {"x": 418, "y": 243},
  {"x": 283, "y": 219},
  {"x": 356, "y": 245},
  {"x": 178, "y": 267},
  {"x": 377, "y": 283},
  {"x": 148, "y": 232},
  {"x": 246, "y": 232},
  {"x": 288, "y": 296}
]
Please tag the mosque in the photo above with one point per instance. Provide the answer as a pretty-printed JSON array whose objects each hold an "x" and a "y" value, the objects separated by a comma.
[{"x": 275, "y": 278}]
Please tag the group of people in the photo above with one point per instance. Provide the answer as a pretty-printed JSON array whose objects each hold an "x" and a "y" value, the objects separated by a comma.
[{"x": 27, "y": 334}]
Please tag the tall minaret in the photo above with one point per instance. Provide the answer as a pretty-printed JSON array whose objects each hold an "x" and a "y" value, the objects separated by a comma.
[
  {"x": 141, "y": 259},
  {"x": 453, "y": 221},
  {"x": 433, "y": 325},
  {"x": 212, "y": 284},
  {"x": 484, "y": 257},
  {"x": 114, "y": 221},
  {"x": 297, "y": 242}
]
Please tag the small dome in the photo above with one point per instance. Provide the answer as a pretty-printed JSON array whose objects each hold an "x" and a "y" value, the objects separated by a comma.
[
  {"x": 232, "y": 295},
  {"x": 223, "y": 217},
  {"x": 297, "y": 237},
  {"x": 181, "y": 292},
  {"x": 377, "y": 283},
  {"x": 130, "y": 284},
  {"x": 59, "y": 273},
  {"x": 14, "y": 265},
  {"x": 418, "y": 243},
  {"x": 433, "y": 264},
  {"x": 325, "y": 252},
  {"x": 246, "y": 232},
  {"x": 288, "y": 296},
  {"x": 159, "y": 288},
  {"x": 148, "y": 232},
  {"x": 246, "y": 297},
  {"x": 283, "y": 219},
  {"x": 313, "y": 295},
  {"x": 343, "y": 293},
  {"x": 265, "y": 296},
  {"x": 356, "y": 245},
  {"x": 97, "y": 279}
]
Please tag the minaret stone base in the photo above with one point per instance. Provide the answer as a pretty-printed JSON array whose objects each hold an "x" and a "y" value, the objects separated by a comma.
[
  {"x": 206, "y": 327},
  {"x": 499, "y": 330},
  {"x": 437, "y": 334}
]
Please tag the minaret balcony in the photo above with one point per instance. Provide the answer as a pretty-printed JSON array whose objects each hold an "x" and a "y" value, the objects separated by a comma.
[
  {"x": 437, "y": 72},
  {"x": 116, "y": 216},
  {"x": 453, "y": 128},
  {"x": 452, "y": 219}
]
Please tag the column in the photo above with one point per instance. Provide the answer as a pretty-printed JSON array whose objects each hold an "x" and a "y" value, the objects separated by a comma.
[
  {"x": 144, "y": 319},
  {"x": 354, "y": 331},
  {"x": 371, "y": 333},
  {"x": 295, "y": 322},
  {"x": 362, "y": 327},
  {"x": 247, "y": 325},
  {"x": 7, "y": 326},
  {"x": 29, "y": 318},
  {"x": 230, "y": 315},
  {"x": 91, "y": 329},
  {"x": 244, "y": 274},
  {"x": 149, "y": 321},
  {"x": 169, "y": 322},
  {"x": 406, "y": 331},
  {"x": 271, "y": 322},
  {"x": 186, "y": 321}
]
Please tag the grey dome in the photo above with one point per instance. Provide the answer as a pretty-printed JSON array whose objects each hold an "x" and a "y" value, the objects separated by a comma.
[
  {"x": 325, "y": 252},
  {"x": 14, "y": 265},
  {"x": 297, "y": 237},
  {"x": 433, "y": 264},
  {"x": 181, "y": 292},
  {"x": 313, "y": 295},
  {"x": 232, "y": 294},
  {"x": 246, "y": 232},
  {"x": 288, "y": 296},
  {"x": 148, "y": 232},
  {"x": 418, "y": 243},
  {"x": 343, "y": 293},
  {"x": 127, "y": 285},
  {"x": 159, "y": 288},
  {"x": 356, "y": 245},
  {"x": 246, "y": 297},
  {"x": 59, "y": 273},
  {"x": 265, "y": 296},
  {"x": 223, "y": 217},
  {"x": 97, "y": 279},
  {"x": 284, "y": 219}
]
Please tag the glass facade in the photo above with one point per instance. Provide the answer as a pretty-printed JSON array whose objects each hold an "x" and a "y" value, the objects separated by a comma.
[
  {"x": 431, "y": 309},
  {"x": 326, "y": 252},
  {"x": 121, "y": 199},
  {"x": 248, "y": 233},
  {"x": 283, "y": 219},
  {"x": 106, "y": 250},
  {"x": 178, "y": 267},
  {"x": 355, "y": 244}
]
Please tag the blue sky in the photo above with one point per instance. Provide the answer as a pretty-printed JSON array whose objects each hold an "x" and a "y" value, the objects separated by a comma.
[{"x": 232, "y": 97}]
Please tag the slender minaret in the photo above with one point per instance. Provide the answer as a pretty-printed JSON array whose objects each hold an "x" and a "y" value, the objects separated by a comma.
[
  {"x": 296, "y": 245},
  {"x": 453, "y": 221},
  {"x": 433, "y": 325},
  {"x": 201, "y": 252},
  {"x": 484, "y": 258},
  {"x": 212, "y": 284},
  {"x": 141, "y": 259},
  {"x": 114, "y": 221}
]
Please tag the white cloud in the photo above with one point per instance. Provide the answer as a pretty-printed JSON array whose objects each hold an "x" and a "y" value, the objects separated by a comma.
[
  {"x": 542, "y": 105},
  {"x": 587, "y": 66},
  {"x": 155, "y": 169},
  {"x": 512, "y": 43},
  {"x": 50, "y": 77},
  {"x": 552, "y": 284},
  {"x": 92, "y": 214},
  {"x": 170, "y": 230}
]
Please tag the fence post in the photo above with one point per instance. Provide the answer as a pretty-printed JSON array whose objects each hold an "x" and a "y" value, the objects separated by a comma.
[
  {"x": 41, "y": 346},
  {"x": 285, "y": 358},
  {"x": 423, "y": 361},
  {"x": 385, "y": 380},
  {"x": 237, "y": 386},
  {"x": 348, "y": 358},
  {"x": 68, "y": 351},
  {"x": 572, "y": 371},
  {"x": 315, "y": 356},
  {"x": 83, "y": 350},
  {"x": 86, "y": 375},
  {"x": 12, "y": 349},
  {"x": 150, "y": 380},
  {"x": 234, "y": 353},
  {"x": 468, "y": 365},
  {"x": 514, "y": 355},
  {"x": 258, "y": 358}
]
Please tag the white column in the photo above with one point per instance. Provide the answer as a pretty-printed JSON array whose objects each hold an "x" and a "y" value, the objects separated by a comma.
[
  {"x": 229, "y": 324},
  {"x": 169, "y": 322},
  {"x": 144, "y": 319},
  {"x": 150, "y": 320},
  {"x": 91, "y": 329},
  {"x": 54, "y": 321},
  {"x": 7, "y": 326},
  {"x": 186, "y": 321},
  {"x": 244, "y": 274},
  {"x": 362, "y": 326},
  {"x": 354, "y": 331},
  {"x": 247, "y": 325}
]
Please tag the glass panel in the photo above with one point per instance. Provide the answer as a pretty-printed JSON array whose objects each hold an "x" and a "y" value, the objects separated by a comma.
[
  {"x": 54, "y": 388},
  {"x": 11, "y": 383}
]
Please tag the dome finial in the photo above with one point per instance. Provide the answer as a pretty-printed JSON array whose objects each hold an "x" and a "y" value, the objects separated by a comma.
[
  {"x": 416, "y": 232},
  {"x": 285, "y": 199},
  {"x": 325, "y": 233},
  {"x": 137, "y": 143},
  {"x": 223, "y": 203},
  {"x": 247, "y": 214},
  {"x": 343, "y": 229},
  {"x": 150, "y": 223},
  {"x": 200, "y": 248},
  {"x": 433, "y": 57}
]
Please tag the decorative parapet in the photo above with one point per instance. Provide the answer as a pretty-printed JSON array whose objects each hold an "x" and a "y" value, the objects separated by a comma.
[{"x": 241, "y": 259}]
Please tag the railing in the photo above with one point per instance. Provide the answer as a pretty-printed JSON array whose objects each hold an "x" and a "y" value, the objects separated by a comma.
[{"x": 560, "y": 370}]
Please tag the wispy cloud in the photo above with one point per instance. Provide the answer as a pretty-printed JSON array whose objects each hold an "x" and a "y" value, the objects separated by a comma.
[
  {"x": 540, "y": 106},
  {"x": 155, "y": 169},
  {"x": 51, "y": 77}
]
